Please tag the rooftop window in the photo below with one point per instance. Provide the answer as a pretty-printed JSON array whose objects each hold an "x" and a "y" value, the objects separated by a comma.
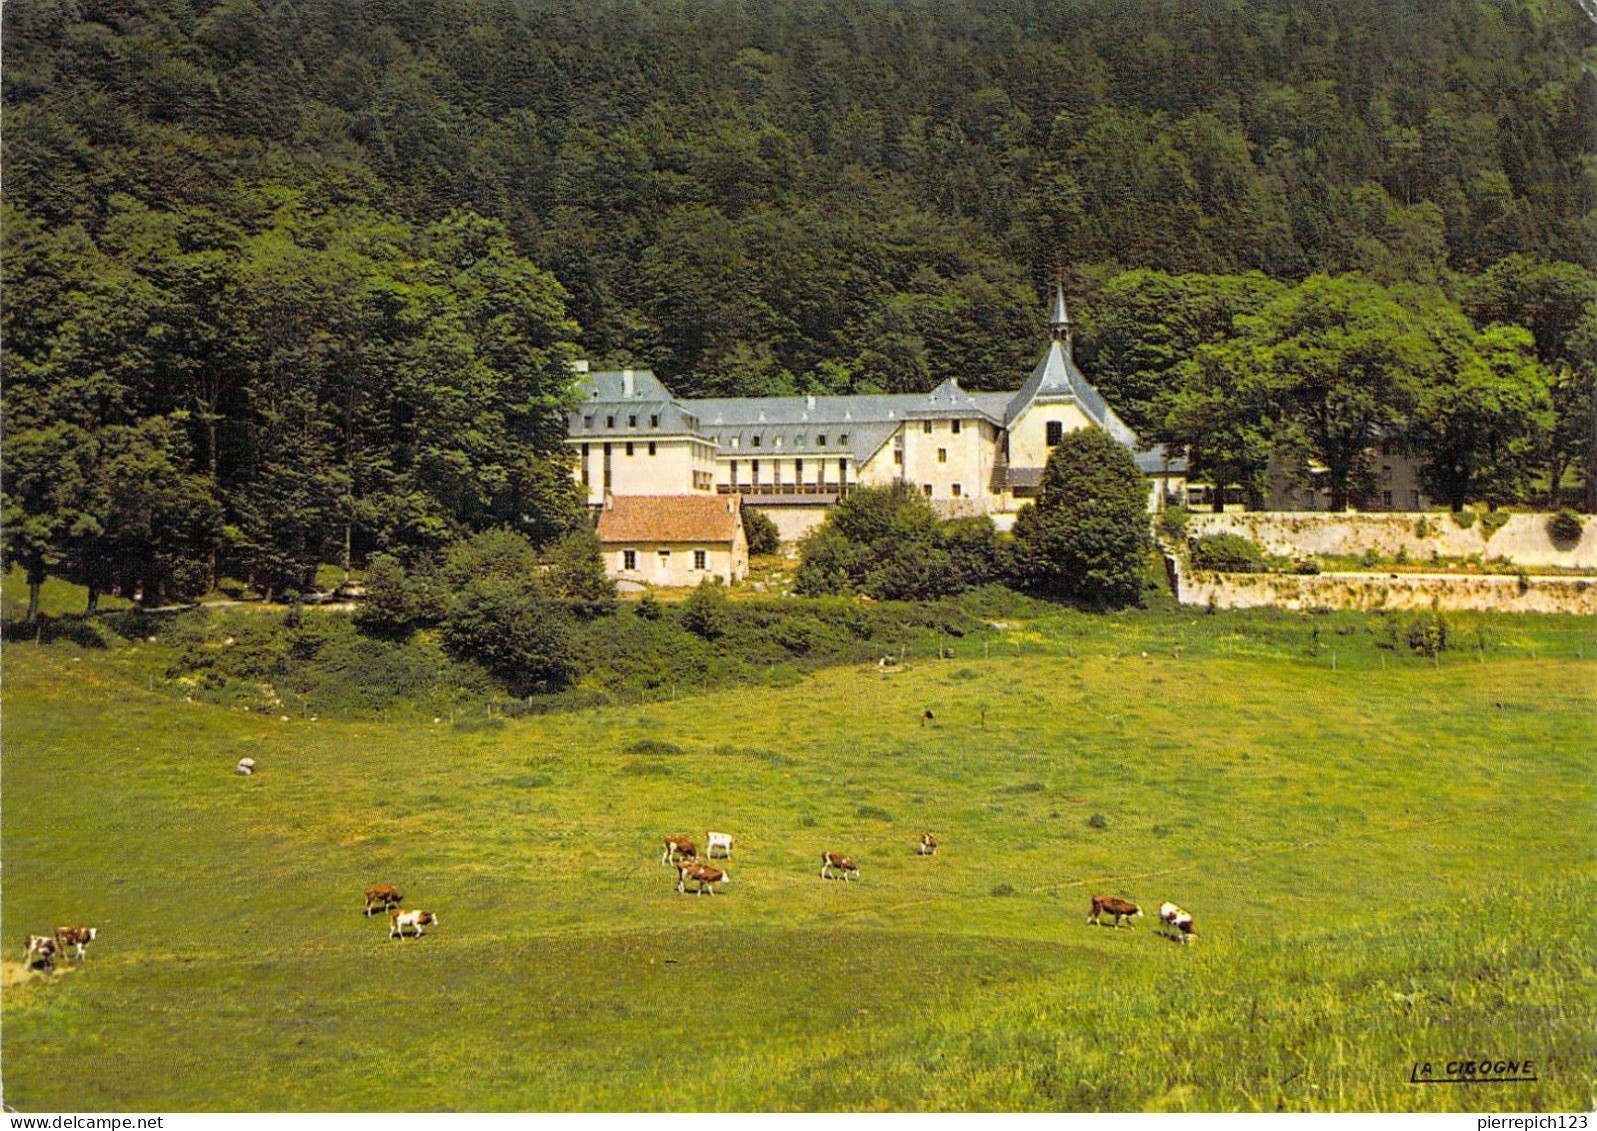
[{"x": 821, "y": 439}]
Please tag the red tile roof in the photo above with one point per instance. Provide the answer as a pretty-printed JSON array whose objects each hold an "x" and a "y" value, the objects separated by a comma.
[{"x": 670, "y": 518}]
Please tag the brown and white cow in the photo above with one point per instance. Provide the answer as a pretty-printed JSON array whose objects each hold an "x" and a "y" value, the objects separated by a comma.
[
  {"x": 928, "y": 844},
  {"x": 844, "y": 866},
  {"x": 40, "y": 952},
  {"x": 401, "y": 921},
  {"x": 1179, "y": 920},
  {"x": 1111, "y": 905},
  {"x": 677, "y": 846},
  {"x": 383, "y": 896},
  {"x": 79, "y": 937},
  {"x": 704, "y": 875}
]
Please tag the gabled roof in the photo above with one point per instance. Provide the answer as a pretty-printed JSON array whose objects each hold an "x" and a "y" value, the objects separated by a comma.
[{"x": 670, "y": 518}]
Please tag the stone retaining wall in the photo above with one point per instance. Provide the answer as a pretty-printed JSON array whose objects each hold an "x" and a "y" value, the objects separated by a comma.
[
  {"x": 1394, "y": 591},
  {"x": 1523, "y": 540}
]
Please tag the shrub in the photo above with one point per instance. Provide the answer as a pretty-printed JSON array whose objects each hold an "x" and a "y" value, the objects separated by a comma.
[
  {"x": 573, "y": 568},
  {"x": 1086, "y": 537},
  {"x": 1098, "y": 821},
  {"x": 1464, "y": 519},
  {"x": 1427, "y": 634},
  {"x": 1492, "y": 522},
  {"x": 1565, "y": 527},
  {"x": 872, "y": 813},
  {"x": 760, "y": 531},
  {"x": 513, "y": 630},
  {"x": 704, "y": 613},
  {"x": 1227, "y": 553},
  {"x": 1173, "y": 523},
  {"x": 390, "y": 606},
  {"x": 648, "y": 607},
  {"x": 1001, "y": 890},
  {"x": 1422, "y": 528},
  {"x": 653, "y": 746}
]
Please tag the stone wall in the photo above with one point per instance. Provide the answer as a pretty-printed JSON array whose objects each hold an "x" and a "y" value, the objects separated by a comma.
[
  {"x": 1490, "y": 593},
  {"x": 1523, "y": 540}
]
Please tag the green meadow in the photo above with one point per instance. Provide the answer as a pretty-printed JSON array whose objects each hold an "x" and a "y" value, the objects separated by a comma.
[{"x": 1390, "y": 861}]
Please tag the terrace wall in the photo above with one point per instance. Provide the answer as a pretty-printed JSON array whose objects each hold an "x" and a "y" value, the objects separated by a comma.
[
  {"x": 1486, "y": 593},
  {"x": 1523, "y": 540}
]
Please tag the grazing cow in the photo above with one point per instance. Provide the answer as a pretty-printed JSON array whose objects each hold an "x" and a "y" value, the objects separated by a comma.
[
  {"x": 844, "y": 866},
  {"x": 1179, "y": 920},
  {"x": 704, "y": 875},
  {"x": 676, "y": 846},
  {"x": 79, "y": 937},
  {"x": 1110, "y": 905},
  {"x": 928, "y": 717},
  {"x": 723, "y": 841},
  {"x": 384, "y": 896},
  {"x": 928, "y": 844},
  {"x": 246, "y": 766},
  {"x": 400, "y": 921},
  {"x": 40, "y": 953}
]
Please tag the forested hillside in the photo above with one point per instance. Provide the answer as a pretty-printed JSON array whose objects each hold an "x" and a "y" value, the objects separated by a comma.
[{"x": 280, "y": 275}]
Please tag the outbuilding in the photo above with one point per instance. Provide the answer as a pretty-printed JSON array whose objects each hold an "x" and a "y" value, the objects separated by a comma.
[{"x": 674, "y": 540}]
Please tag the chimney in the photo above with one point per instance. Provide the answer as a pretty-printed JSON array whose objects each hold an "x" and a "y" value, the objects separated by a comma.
[
  {"x": 579, "y": 366},
  {"x": 809, "y": 401},
  {"x": 629, "y": 384}
]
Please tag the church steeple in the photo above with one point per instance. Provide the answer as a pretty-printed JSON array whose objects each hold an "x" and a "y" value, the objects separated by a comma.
[{"x": 1060, "y": 321}]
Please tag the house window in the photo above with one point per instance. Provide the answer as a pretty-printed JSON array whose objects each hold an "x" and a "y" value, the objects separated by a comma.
[
  {"x": 756, "y": 441},
  {"x": 629, "y": 559},
  {"x": 665, "y": 561},
  {"x": 587, "y": 422},
  {"x": 629, "y": 447},
  {"x": 654, "y": 422},
  {"x": 843, "y": 439},
  {"x": 1056, "y": 432},
  {"x": 632, "y": 422},
  {"x": 955, "y": 427},
  {"x": 798, "y": 471},
  {"x": 898, "y": 456},
  {"x": 927, "y": 489},
  {"x": 584, "y": 465},
  {"x": 608, "y": 474},
  {"x": 942, "y": 455},
  {"x": 798, "y": 441},
  {"x": 926, "y": 427},
  {"x": 756, "y": 467},
  {"x": 1386, "y": 499},
  {"x": 651, "y": 447},
  {"x": 734, "y": 473},
  {"x": 700, "y": 559},
  {"x": 958, "y": 490},
  {"x": 821, "y": 439},
  {"x": 734, "y": 443},
  {"x": 609, "y": 422}
]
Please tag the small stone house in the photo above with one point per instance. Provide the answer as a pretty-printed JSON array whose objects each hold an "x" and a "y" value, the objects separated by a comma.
[{"x": 674, "y": 540}]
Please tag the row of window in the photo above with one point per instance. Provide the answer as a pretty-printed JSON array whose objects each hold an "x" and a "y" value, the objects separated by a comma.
[
  {"x": 629, "y": 560},
  {"x": 758, "y": 440},
  {"x": 953, "y": 426},
  {"x": 956, "y": 490},
  {"x": 736, "y": 469}
]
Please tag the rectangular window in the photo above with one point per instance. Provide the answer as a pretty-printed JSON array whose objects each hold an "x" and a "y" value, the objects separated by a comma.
[
  {"x": 898, "y": 456},
  {"x": 654, "y": 422},
  {"x": 843, "y": 439},
  {"x": 629, "y": 559},
  {"x": 587, "y": 422},
  {"x": 629, "y": 447},
  {"x": 821, "y": 439},
  {"x": 609, "y": 422},
  {"x": 1056, "y": 432},
  {"x": 958, "y": 490},
  {"x": 798, "y": 471},
  {"x": 926, "y": 427},
  {"x": 584, "y": 465},
  {"x": 734, "y": 473},
  {"x": 734, "y": 443},
  {"x": 927, "y": 488},
  {"x": 700, "y": 559},
  {"x": 1386, "y": 499},
  {"x": 942, "y": 455},
  {"x": 955, "y": 427},
  {"x": 608, "y": 473},
  {"x": 756, "y": 441},
  {"x": 651, "y": 447},
  {"x": 756, "y": 470}
]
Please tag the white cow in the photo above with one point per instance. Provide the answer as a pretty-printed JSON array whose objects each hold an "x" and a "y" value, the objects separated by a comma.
[
  {"x": 723, "y": 841},
  {"x": 1179, "y": 920}
]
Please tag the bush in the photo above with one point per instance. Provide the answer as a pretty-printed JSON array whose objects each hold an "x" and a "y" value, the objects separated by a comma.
[
  {"x": 761, "y": 532},
  {"x": 513, "y": 630},
  {"x": 1098, "y": 821},
  {"x": 1427, "y": 634},
  {"x": 573, "y": 568},
  {"x": 389, "y": 609},
  {"x": 1086, "y": 537},
  {"x": 704, "y": 613},
  {"x": 653, "y": 746},
  {"x": 1464, "y": 519},
  {"x": 1492, "y": 522},
  {"x": 1565, "y": 527},
  {"x": 1227, "y": 553},
  {"x": 648, "y": 607},
  {"x": 1173, "y": 523},
  {"x": 872, "y": 813}
]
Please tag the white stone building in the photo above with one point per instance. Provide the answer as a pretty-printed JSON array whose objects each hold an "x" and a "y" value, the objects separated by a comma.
[{"x": 972, "y": 453}]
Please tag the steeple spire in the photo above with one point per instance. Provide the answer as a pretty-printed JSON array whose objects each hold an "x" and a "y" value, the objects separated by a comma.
[{"x": 1060, "y": 321}]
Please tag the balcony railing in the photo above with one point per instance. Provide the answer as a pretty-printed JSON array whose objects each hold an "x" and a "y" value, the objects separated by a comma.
[{"x": 784, "y": 488}]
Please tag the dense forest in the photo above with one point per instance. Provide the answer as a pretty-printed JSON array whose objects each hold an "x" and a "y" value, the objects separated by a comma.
[{"x": 286, "y": 281}]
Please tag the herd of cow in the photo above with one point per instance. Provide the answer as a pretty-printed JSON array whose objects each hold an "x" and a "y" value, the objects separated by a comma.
[{"x": 680, "y": 851}]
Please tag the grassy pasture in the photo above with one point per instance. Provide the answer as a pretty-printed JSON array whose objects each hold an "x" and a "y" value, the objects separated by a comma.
[{"x": 1389, "y": 862}]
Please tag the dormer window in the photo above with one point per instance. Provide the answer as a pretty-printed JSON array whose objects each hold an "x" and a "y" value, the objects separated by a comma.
[
  {"x": 734, "y": 443},
  {"x": 587, "y": 422},
  {"x": 654, "y": 422},
  {"x": 632, "y": 422},
  {"x": 609, "y": 422},
  {"x": 821, "y": 439},
  {"x": 755, "y": 441},
  {"x": 843, "y": 439}
]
